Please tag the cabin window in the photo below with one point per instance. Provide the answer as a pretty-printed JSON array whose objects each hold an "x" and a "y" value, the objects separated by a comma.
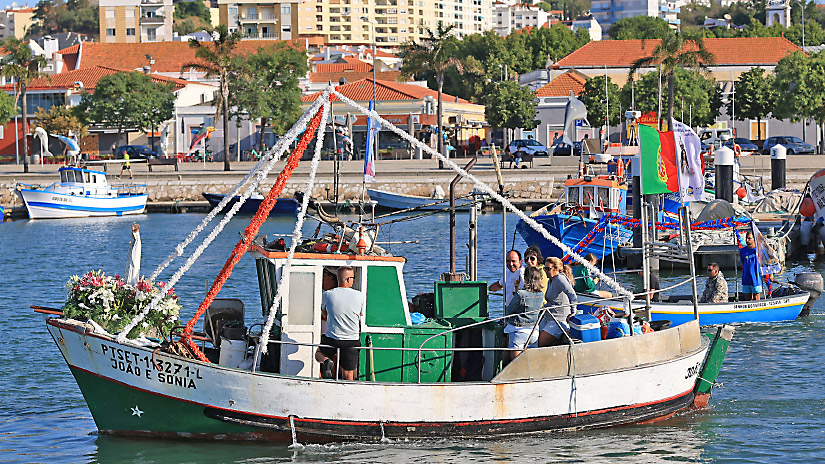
[
  {"x": 573, "y": 195},
  {"x": 63, "y": 177},
  {"x": 86, "y": 176},
  {"x": 604, "y": 197},
  {"x": 587, "y": 195},
  {"x": 301, "y": 298},
  {"x": 384, "y": 304}
]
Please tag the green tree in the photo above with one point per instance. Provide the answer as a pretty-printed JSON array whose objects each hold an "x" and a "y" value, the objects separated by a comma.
[
  {"x": 436, "y": 55},
  {"x": 594, "y": 98},
  {"x": 553, "y": 43},
  {"x": 54, "y": 16},
  {"x": 266, "y": 87},
  {"x": 194, "y": 8},
  {"x": 755, "y": 96},
  {"x": 800, "y": 85},
  {"x": 7, "y": 107},
  {"x": 61, "y": 120},
  {"x": 544, "y": 6},
  {"x": 191, "y": 24},
  {"x": 697, "y": 97},
  {"x": 675, "y": 51},
  {"x": 216, "y": 59},
  {"x": 21, "y": 65},
  {"x": 639, "y": 27},
  {"x": 127, "y": 100},
  {"x": 509, "y": 105}
]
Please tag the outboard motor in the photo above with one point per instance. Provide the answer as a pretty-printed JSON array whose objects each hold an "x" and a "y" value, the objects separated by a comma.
[{"x": 811, "y": 282}]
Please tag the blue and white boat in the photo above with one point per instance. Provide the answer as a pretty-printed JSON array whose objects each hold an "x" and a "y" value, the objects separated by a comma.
[
  {"x": 586, "y": 200},
  {"x": 785, "y": 304},
  {"x": 392, "y": 200},
  {"x": 81, "y": 192}
]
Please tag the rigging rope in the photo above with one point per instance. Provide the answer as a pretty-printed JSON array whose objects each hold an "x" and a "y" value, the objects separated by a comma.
[
  {"x": 279, "y": 148},
  {"x": 296, "y": 235},
  {"x": 486, "y": 189},
  {"x": 250, "y": 232}
]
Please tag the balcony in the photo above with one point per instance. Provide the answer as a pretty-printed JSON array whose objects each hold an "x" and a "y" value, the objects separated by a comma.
[
  {"x": 151, "y": 2},
  {"x": 260, "y": 35},
  {"x": 257, "y": 17},
  {"x": 152, "y": 20}
]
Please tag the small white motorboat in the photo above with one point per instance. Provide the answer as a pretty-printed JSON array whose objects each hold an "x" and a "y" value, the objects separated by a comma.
[{"x": 81, "y": 192}]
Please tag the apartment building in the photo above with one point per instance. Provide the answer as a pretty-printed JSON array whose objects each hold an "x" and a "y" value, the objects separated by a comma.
[
  {"x": 261, "y": 19},
  {"x": 389, "y": 23},
  {"x": 509, "y": 18},
  {"x": 133, "y": 21},
  {"x": 607, "y": 12},
  {"x": 14, "y": 22}
]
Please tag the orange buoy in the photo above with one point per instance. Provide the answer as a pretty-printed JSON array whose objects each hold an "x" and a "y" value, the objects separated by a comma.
[
  {"x": 620, "y": 168},
  {"x": 808, "y": 208},
  {"x": 741, "y": 192},
  {"x": 325, "y": 247},
  {"x": 361, "y": 245}
]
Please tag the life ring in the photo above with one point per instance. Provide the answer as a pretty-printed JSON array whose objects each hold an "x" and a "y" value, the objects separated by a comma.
[{"x": 737, "y": 150}]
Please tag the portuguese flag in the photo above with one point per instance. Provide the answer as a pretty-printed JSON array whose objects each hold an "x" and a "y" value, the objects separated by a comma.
[{"x": 658, "y": 156}]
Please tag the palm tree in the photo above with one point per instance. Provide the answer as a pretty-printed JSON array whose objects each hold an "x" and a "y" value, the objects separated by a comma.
[
  {"x": 23, "y": 66},
  {"x": 435, "y": 55},
  {"x": 216, "y": 60},
  {"x": 675, "y": 50}
]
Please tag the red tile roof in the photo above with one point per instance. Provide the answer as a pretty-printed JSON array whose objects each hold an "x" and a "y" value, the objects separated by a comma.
[
  {"x": 352, "y": 64},
  {"x": 169, "y": 56},
  {"x": 379, "y": 54},
  {"x": 563, "y": 85},
  {"x": 732, "y": 51},
  {"x": 89, "y": 77},
  {"x": 361, "y": 90},
  {"x": 352, "y": 76}
]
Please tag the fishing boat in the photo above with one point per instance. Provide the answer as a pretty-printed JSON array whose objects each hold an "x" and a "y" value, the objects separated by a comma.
[
  {"x": 391, "y": 200},
  {"x": 586, "y": 199},
  {"x": 81, "y": 192},
  {"x": 414, "y": 380},
  {"x": 284, "y": 206}
]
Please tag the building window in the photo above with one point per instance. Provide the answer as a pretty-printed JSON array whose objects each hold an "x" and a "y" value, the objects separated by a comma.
[
  {"x": 130, "y": 31},
  {"x": 233, "y": 11},
  {"x": 110, "y": 13},
  {"x": 110, "y": 32},
  {"x": 286, "y": 28},
  {"x": 152, "y": 34},
  {"x": 130, "y": 13},
  {"x": 286, "y": 10},
  {"x": 319, "y": 9}
]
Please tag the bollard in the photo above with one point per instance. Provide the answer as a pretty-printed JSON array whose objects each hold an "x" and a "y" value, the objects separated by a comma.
[
  {"x": 778, "y": 157},
  {"x": 723, "y": 160}
]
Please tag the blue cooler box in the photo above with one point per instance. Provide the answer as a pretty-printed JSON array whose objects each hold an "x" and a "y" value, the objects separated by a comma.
[{"x": 586, "y": 328}]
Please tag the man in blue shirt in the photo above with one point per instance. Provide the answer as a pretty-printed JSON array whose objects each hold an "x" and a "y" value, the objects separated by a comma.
[{"x": 751, "y": 277}]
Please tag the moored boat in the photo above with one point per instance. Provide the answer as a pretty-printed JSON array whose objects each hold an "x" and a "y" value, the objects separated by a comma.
[
  {"x": 286, "y": 206},
  {"x": 81, "y": 192},
  {"x": 432, "y": 379},
  {"x": 392, "y": 200}
]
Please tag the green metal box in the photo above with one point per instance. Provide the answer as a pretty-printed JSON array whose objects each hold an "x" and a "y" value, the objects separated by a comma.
[
  {"x": 461, "y": 303},
  {"x": 436, "y": 354}
]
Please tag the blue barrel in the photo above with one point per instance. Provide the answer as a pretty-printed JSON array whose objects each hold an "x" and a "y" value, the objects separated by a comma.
[{"x": 618, "y": 328}]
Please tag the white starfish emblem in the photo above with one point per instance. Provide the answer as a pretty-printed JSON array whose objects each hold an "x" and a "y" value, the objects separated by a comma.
[{"x": 136, "y": 411}]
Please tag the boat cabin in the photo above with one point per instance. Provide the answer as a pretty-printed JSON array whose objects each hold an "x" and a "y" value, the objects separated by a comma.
[
  {"x": 386, "y": 324},
  {"x": 596, "y": 195},
  {"x": 82, "y": 181}
]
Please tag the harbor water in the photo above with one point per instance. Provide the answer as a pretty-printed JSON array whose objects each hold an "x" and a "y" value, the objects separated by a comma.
[{"x": 769, "y": 408}]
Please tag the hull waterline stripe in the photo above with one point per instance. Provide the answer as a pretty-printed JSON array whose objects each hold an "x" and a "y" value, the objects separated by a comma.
[{"x": 39, "y": 204}]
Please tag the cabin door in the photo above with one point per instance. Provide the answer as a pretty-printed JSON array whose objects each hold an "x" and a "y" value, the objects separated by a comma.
[{"x": 301, "y": 322}]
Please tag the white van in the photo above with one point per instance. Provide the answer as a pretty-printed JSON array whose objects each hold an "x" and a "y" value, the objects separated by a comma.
[{"x": 714, "y": 137}]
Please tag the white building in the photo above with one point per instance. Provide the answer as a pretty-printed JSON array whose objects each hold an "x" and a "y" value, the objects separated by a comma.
[
  {"x": 588, "y": 23},
  {"x": 607, "y": 12},
  {"x": 509, "y": 18}
]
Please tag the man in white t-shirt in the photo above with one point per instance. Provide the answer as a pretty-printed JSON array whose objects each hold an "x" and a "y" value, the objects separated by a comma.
[
  {"x": 515, "y": 277},
  {"x": 342, "y": 307}
]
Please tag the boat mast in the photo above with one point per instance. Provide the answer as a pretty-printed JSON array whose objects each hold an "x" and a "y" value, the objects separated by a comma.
[
  {"x": 685, "y": 217},
  {"x": 500, "y": 181},
  {"x": 453, "y": 274}
]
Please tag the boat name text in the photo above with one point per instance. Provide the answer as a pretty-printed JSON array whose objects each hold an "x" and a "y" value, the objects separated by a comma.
[
  {"x": 762, "y": 303},
  {"x": 140, "y": 364},
  {"x": 693, "y": 371}
]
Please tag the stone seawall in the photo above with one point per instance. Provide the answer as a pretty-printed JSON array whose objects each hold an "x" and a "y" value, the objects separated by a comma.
[{"x": 190, "y": 189}]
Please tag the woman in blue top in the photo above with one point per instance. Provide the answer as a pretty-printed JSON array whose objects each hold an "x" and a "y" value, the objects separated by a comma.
[
  {"x": 751, "y": 277},
  {"x": 523, "y": 310}
]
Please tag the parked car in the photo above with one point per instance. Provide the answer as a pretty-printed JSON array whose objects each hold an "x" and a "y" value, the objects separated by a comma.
[
  {"x": 794, "y": 145},
  {"x": 527, "y": 146},
  {"x": 744, "y": 144},
  {"x": 713, "y": 137},
  {"x": 135, "y": 152},
  {"x": 562, "y": 149}
]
